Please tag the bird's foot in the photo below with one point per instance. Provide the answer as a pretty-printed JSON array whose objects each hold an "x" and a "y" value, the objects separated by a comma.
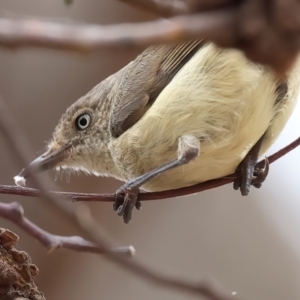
[
  {"x": 250, "y": 173},
  {"x": 188, "y": 150},
  {"x": 127, "y": 198}
]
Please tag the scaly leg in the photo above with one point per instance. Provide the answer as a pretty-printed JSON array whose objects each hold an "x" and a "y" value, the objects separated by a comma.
[
  {"x": 248, "y": 173},
  {"x": 188, "y": 150}
]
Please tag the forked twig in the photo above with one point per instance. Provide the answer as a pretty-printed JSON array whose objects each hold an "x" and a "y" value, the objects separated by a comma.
[{"x": 14, "y": 212}]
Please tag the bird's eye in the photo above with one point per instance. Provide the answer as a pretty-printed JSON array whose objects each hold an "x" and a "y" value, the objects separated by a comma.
[{"x": 83, "y": 121}]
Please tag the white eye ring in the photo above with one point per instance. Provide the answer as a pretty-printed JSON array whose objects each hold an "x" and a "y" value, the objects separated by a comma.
[{"x": 83, "y": 121}]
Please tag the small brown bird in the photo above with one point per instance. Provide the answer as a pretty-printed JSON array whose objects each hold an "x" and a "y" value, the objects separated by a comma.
[{"x": 175, "y": 116}]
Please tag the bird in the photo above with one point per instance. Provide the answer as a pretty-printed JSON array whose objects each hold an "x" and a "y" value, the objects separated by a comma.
[{"x": 177, "y": 115}]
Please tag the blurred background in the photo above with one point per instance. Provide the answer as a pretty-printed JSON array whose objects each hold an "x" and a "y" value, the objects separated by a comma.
[{"x": 249, "y": 245}]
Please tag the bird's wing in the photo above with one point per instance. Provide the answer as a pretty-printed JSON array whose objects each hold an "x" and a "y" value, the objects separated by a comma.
[{"x": 144, "y": 79}]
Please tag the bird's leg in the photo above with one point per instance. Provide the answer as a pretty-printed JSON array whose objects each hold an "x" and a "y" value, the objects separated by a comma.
[
  {"x": 188, "y": 150},
  {"x": 247, "y": 172}
]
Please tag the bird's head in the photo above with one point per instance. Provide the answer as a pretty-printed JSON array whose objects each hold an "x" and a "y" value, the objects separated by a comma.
[{"x": 80, "y": 138}]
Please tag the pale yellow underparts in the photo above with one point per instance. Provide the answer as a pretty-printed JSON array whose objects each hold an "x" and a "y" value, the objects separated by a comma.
[{"x": 219, "y": 97}]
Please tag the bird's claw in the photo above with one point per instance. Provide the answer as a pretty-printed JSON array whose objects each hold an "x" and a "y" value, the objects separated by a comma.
[
  {"x": 124, "y": 205},
  {"x": 261, "y": 174},
  {"x": 249, "y": 173}
]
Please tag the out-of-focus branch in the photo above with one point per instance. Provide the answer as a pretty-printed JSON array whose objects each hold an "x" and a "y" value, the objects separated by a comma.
[
  {"x": 168, "y": 8},
  {"x": 267, "y": 31},
  {"x": 15, "y": 213},
  {"x": 87, "y": 38},
  {"x": 93, "y": 197},
  {"x": 163, "y": 8},
  {"x": 199, "y": 289}
]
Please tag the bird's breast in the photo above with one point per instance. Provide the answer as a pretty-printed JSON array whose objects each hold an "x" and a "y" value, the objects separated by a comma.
[{"x": 219, "y": 97}]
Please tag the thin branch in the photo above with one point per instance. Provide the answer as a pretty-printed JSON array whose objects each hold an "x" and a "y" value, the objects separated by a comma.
[
  {"x": 139, "y": 269},
  {"x": 96, "y": 197},
  {"x": 218, "y": 27},
  {"x": 14, "y": 212}
]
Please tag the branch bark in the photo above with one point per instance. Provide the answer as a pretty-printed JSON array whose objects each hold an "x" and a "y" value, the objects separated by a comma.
[{"x": 17, "y": 273}]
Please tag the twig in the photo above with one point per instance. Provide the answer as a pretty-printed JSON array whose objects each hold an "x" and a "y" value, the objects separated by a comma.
[
  {"x": 137, "y": 268},
  {"x": 14, "y": 212},
  {"x": 218, "y": 27},
  {"x": 94, "y": 197}
]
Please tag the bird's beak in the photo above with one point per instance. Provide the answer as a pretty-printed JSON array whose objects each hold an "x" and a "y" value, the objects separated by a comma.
[{"x": 46, "y": 161}]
